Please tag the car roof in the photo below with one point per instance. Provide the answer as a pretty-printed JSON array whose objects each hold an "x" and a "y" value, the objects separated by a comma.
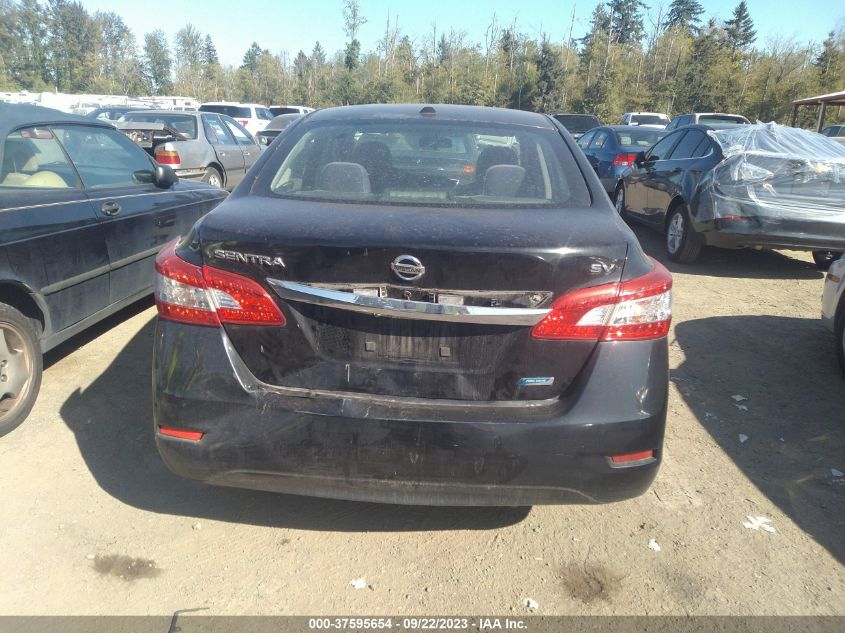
[
  {"x": 174, "y": 112},
  {"x": 573, "y": 114},
  {"x": 283, "y": 118},
  {"x": 625, "y": 128},
  {"x": 442, "y": 112},
  {"x": 15, "y": 116}
]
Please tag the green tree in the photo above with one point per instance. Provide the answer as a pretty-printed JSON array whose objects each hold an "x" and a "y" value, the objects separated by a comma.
[
  {"x": 684, "y": 13},
  {"x": 548, "y": 70},
  {"x": 156, "y": 64},
  {"x": 189, "y": 55},
  {"x": 72, "y": 44},
  {"x": 740, "y": 28},
  {"x": 626, "y": 20}
]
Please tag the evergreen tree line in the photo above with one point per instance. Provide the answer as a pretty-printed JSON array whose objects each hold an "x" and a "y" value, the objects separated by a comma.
[{"x": 631, "y": 58}]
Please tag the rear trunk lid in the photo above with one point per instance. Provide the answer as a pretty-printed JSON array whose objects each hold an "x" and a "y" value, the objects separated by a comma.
[{"x": 358, "y": 322}]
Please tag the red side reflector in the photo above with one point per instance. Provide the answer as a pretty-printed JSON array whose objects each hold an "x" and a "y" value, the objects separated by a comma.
[
  {"x": 182, "y": 434},
  {"x": 631, "y": 457}
]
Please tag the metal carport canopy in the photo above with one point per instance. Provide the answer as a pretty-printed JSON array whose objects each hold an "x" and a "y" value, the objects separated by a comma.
[{"x": 834, "y": 98}]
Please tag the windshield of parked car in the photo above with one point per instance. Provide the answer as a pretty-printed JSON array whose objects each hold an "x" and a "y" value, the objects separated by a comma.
[
  {"x": 185, "y": 124},
  {"x": 236, "y": 112},
  {"x": 427, "y": 163},
  {"x": 577, "y": 123},
  {"x": 639, "y": 138},
  {"x": 648, "y": 119}
]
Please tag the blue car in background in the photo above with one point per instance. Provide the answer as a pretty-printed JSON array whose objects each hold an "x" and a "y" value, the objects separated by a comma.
[{"x": 611, "y": 150}]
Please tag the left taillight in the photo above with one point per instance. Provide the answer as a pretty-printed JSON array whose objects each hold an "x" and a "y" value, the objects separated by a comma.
[
  {"x": 637, "y": 309},
  {"x": 209, "y": 296},
  {"x": 167, "y": 157}
]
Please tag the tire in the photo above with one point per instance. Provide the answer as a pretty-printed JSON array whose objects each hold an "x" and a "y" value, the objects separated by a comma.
[
  {"x": 683, "y": 244},
  {"x": 20, "y": 368},
  {"x": 824, "y": 259},
  {"x": 213, "y": 176},
  {"x": 619, "y": 201}
]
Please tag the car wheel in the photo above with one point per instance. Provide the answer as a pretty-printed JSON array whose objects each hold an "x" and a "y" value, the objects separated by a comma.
[
  {"x": 683, "y": 243},
  {"x": 824, "y": 259},
  {"x": 213, "y": 177},
  {"x": 619, "y": 200},
  {"x": 20, "y": 368}
]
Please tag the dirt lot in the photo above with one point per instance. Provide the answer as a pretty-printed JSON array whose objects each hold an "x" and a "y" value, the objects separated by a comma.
[{"x": 93, "y": 523}]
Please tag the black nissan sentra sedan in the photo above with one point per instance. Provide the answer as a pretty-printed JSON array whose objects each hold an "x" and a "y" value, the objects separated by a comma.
[
  {"x": 83, "y": 213},
  {"x": 421, "y": 305}
]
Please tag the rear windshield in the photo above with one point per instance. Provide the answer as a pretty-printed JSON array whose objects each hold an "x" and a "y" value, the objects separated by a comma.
[
  {"x": 428, "y": 163},
  {"x": 284, "y": 110},
  {"x": 186, "y": 125},
  {"x": 577, "y": 123},
  {"x": 264, "y": 113},
  {"x": 236, "y": 112},
  {"x": 639, "y": 137},
  {"x": 721, "y": 120},
  {"x": 648, "y": 119}
]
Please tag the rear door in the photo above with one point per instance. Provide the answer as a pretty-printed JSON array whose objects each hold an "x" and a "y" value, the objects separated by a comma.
[
  {"x": 655, "y": 177},
  {"x": 246, "y": 141},
  {"x": 601, "y": 157},
  {"x": 396, "y": 292},
  {"x": 642, "y": 175},
  {"x": 227, "y": 150}
]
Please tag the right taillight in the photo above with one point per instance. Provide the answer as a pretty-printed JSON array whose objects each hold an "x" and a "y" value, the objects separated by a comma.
[
  {"x": 209, "y": 296},
  {"x": 167, "y": 157},
  {"x": 637, "y": 309},
  {"x": 624, "y": 160}
]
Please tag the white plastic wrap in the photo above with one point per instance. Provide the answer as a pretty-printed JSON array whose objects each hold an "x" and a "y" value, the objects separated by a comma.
[{"x": 774, "y": 173}]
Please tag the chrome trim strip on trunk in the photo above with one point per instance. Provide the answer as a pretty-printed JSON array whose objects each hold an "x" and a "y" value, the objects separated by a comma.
[{"x": 402, "y": 309}]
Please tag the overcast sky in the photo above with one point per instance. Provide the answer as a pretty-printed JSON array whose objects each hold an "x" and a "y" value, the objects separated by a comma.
[{"x": 292, "y": 26}]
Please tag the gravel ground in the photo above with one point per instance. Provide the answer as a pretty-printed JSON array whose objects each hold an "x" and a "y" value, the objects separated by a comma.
[{"x": 93, "y": 523}]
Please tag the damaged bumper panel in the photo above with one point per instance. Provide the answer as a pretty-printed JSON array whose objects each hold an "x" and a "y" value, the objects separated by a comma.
[
  {"x": 777, "y": 187},
  {"x": 410, "y": 450}
]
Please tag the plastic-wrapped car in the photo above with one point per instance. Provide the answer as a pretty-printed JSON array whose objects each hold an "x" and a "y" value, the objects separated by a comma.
[{"x": 763, "y": 185}]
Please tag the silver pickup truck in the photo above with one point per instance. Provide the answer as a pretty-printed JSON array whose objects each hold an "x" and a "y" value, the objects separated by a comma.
[{"x": 203, "y": 146}]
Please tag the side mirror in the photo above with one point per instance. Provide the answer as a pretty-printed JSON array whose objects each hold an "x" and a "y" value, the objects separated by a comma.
[
  {"x": 639, "y": 161},
  {"x": 165, "y": 177}
]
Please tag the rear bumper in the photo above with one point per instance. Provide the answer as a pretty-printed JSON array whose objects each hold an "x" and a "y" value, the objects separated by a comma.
[
  {"x": 798, "y": 234},
  {"x": 404, "y": 450}
]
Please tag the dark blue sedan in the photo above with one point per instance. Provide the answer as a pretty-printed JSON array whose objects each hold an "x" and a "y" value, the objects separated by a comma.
[{"x": 612, "y": 149}]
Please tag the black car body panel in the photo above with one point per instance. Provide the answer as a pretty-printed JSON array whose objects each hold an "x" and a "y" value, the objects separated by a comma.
[
  {"x": 654, "y": 187},
  {"x": 411, "y": 408},
  {"x": 405, "y": 450},
  {"x": 77, "y": 254}
]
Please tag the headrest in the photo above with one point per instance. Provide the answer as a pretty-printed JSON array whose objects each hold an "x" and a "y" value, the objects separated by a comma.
[{"x": 346, "y": 177}]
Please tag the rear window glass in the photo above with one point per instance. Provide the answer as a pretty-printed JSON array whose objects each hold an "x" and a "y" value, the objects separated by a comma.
[
  {"x": 264, "y": 113},
  {"x": 721, "y": 120},
  {"x": 236, "y": 112},
  {"x": 577, "y": 123},
  {"x": 284, "y": 110},
  {"x": 648, "y": 119},
  {"x": 185, "y": 124},
  {"x": 639, "y": 138},
  {"x": 440, "y": 164}
]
